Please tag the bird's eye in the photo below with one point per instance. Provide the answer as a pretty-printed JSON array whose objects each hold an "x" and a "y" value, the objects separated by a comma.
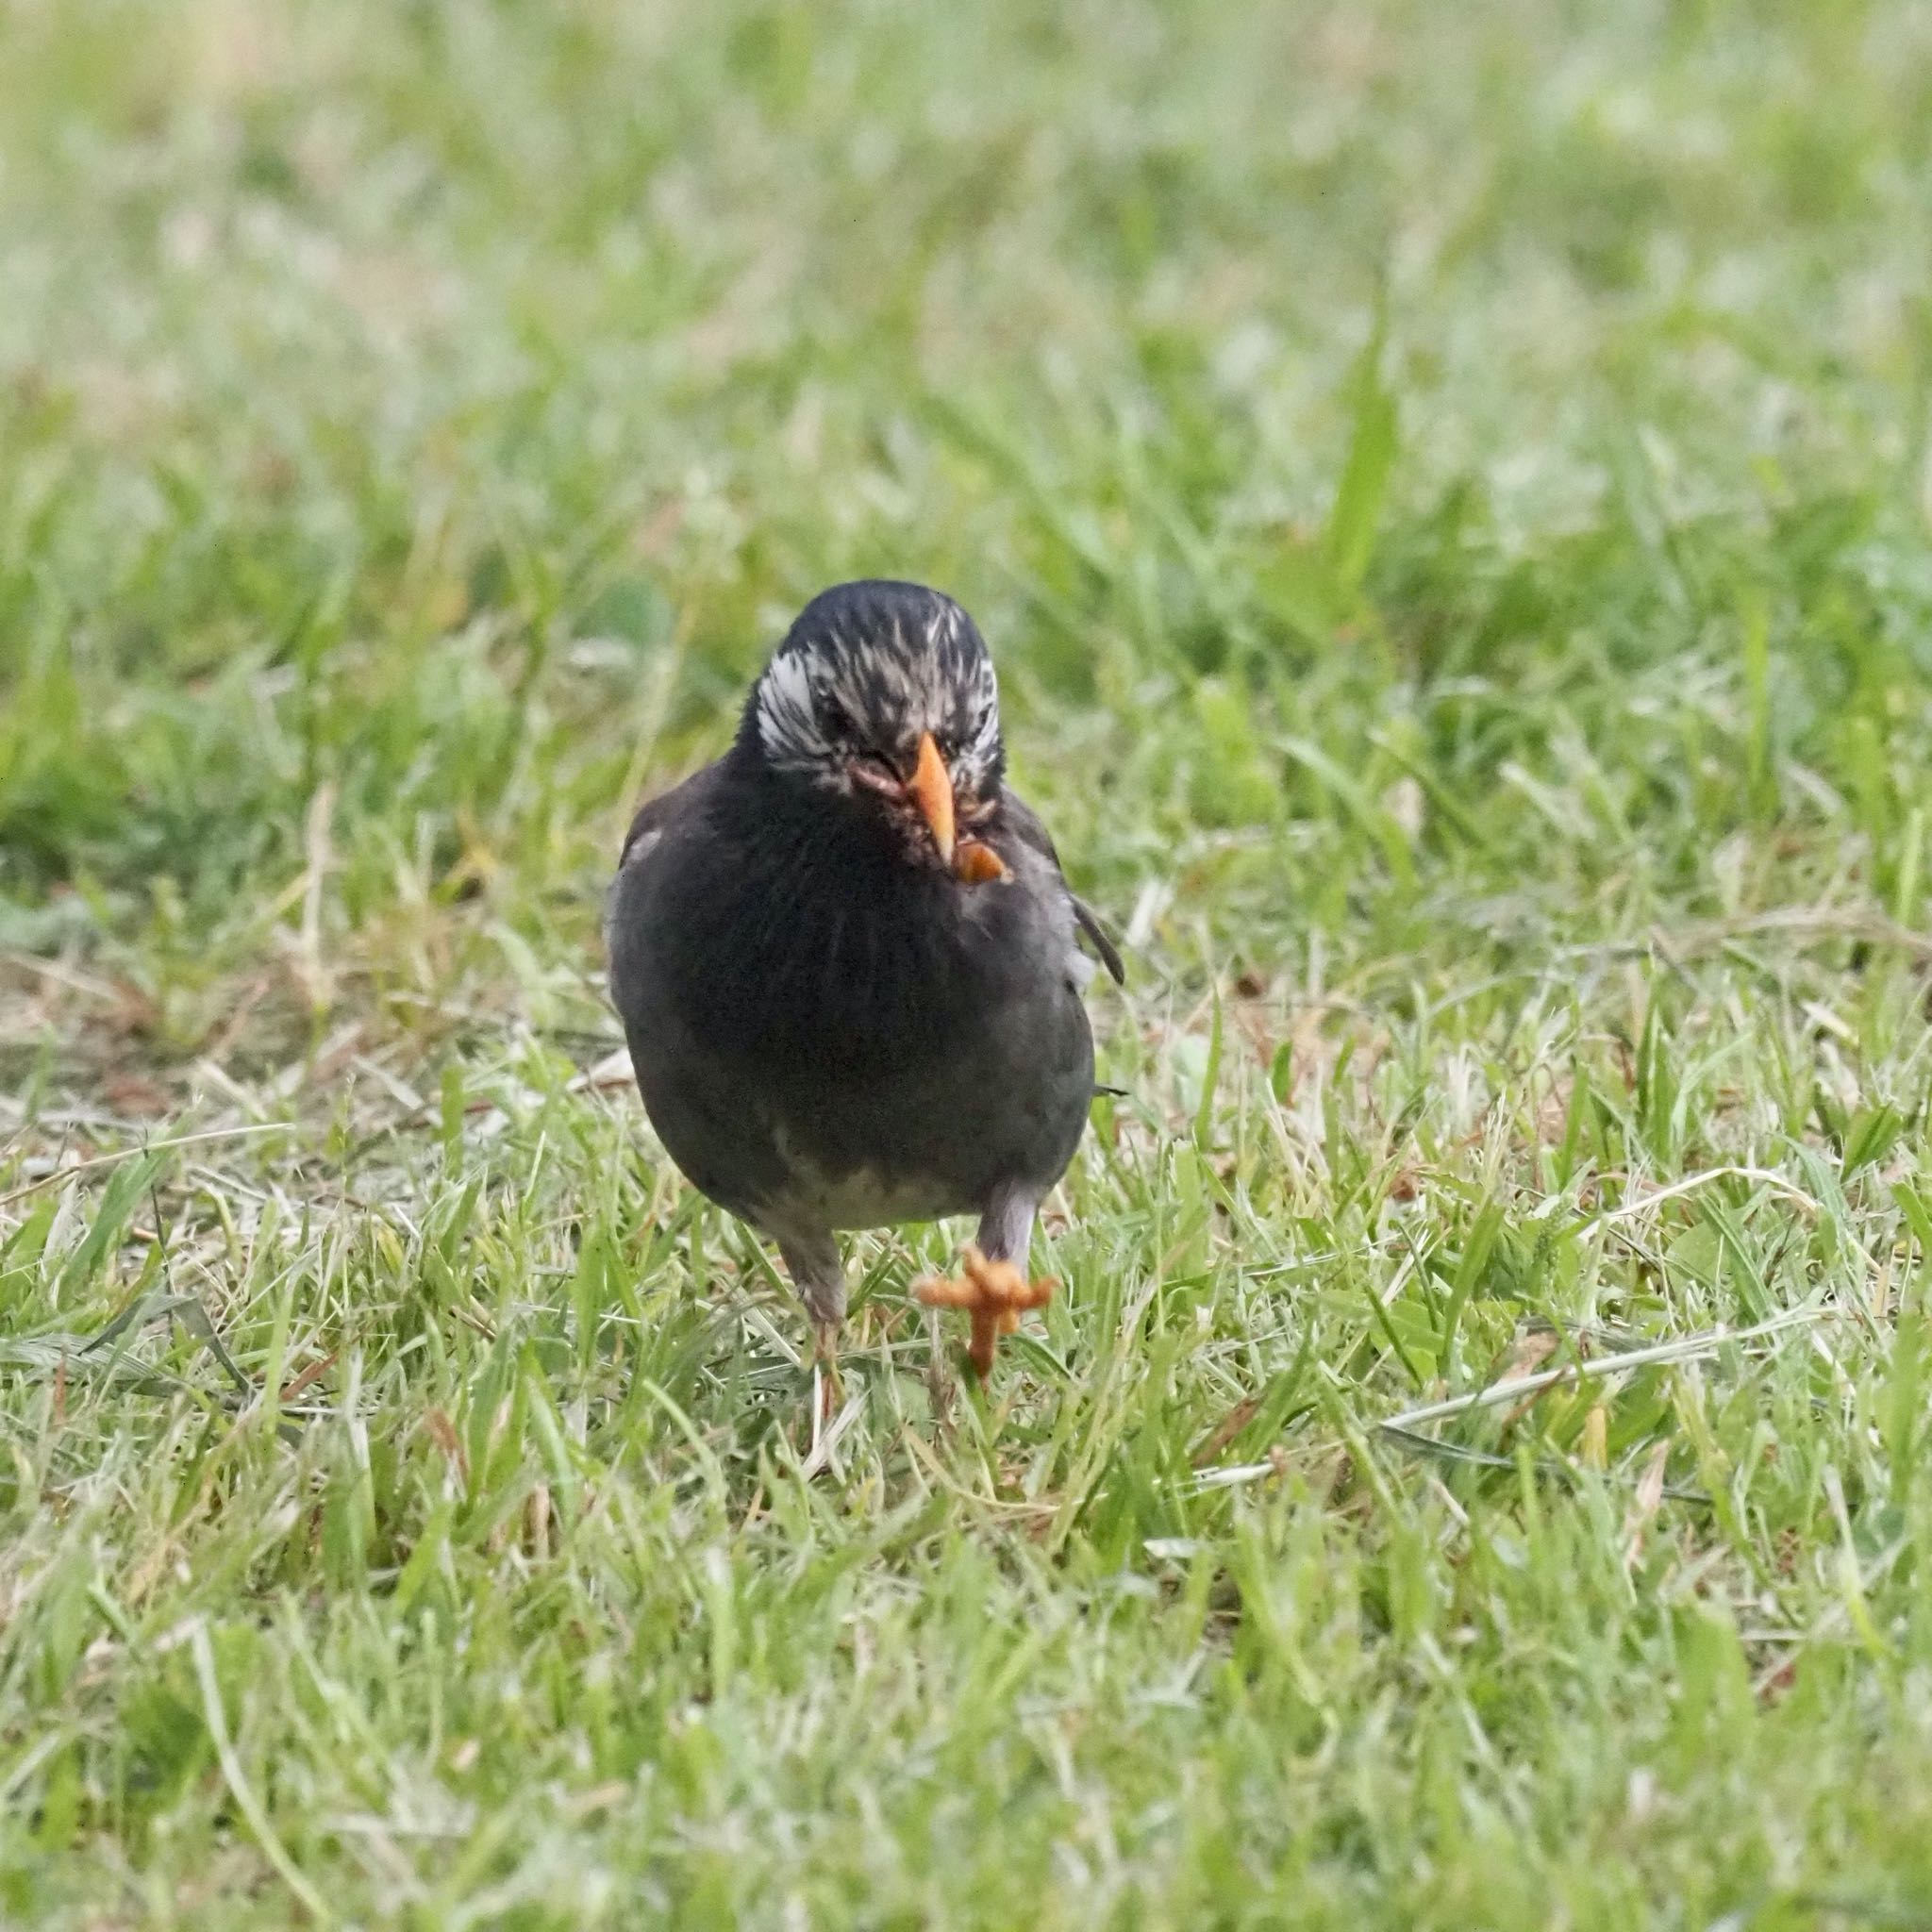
[
  {"x": 834, "y": 719},
  {"x": 955, "y": 743}
]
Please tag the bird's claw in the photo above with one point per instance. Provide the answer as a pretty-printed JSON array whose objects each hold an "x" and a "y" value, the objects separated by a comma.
[{"x": 993, "y": 1293}]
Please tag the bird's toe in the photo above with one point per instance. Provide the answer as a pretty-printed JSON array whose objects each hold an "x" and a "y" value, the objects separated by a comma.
[{"x": 993, "y": 1294}]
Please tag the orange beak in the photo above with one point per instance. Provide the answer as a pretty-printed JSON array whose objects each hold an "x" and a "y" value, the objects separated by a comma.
[{"x": 930, "y": 789}]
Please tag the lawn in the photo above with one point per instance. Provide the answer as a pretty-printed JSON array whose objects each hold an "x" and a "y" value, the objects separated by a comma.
[{"x": 1449, "y": 490}]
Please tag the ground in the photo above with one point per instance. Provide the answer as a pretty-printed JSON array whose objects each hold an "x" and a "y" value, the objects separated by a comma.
[{"x": 1449, "y": 490}]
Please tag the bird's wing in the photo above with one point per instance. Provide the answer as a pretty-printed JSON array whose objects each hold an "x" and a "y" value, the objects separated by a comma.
[
  {"x": 656, "y": 815},
  {"x": 654, "y": 818},
  {"x": 1023, "y": 822}
]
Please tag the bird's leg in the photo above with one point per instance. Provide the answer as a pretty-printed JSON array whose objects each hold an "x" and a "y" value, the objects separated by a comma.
[
  {"x": 813, "y": 1262},
  {"x": 1005, "y": 1229},
  {"x": 997, "y": 1289}
]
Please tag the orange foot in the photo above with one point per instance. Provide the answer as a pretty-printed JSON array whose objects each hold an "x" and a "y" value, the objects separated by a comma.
[{"x": 994, "y": 1293}]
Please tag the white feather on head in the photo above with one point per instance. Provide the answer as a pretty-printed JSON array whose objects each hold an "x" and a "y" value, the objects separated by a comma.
[{"x": 869, "y": 666}]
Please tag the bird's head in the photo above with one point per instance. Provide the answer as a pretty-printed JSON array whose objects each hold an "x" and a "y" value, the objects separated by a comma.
[{"x": 883, "y": 695}]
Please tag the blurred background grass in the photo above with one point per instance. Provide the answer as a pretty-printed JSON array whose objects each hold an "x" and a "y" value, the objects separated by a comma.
[
  {"x": 440, "y": 409},
  {"x": 1450, "y": 493}
]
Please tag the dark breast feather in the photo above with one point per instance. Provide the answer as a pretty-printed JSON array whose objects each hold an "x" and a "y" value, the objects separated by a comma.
[{"x": 804, "y": 941}]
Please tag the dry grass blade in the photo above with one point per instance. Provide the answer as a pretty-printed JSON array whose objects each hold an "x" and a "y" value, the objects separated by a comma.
[
  {"x": 1514, "y": 1387},
  {"x": 122, "y": 1155}
]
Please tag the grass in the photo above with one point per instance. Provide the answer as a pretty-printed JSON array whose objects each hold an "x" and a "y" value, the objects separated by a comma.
[{"x": 1450, "y": 491}]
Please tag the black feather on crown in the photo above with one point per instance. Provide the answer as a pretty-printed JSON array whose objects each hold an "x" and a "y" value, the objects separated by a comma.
[{"x": 882, "y": 659}]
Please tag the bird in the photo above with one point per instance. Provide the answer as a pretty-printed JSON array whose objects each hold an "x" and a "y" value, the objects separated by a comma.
[{"x": 850, "y": 968}]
